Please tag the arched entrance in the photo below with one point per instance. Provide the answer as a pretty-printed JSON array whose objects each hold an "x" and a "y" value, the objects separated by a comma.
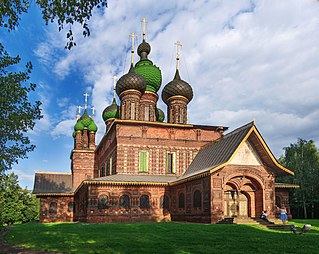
[{"x": 242, "y": 197}]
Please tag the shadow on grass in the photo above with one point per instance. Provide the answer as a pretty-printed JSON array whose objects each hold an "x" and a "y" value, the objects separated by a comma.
[{"x": 160, "y": 238}]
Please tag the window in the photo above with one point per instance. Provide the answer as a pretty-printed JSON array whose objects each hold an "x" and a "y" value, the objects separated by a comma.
[
  {"x": 164, "y": 202},
  {"x": 110, "y": 166},
  {"x": 144, "y": 202},
  {"x": 53, "y": 207},
  {"x": 181, "y": 201},
  {"x": 70, "y": 207},
  {"x": 102, "y": 202},
  {"x": 125, "y": 202},
  {"x": 143, "y": 161},
  {"x": 132, "y": 111},
  {"x": 197, "y": 201},
  {"x": 181, "y": 115},
  {"x": 102, "y": 172},
  {"x": 147, "y": 114},
  {"x": 170, "y": 165}
]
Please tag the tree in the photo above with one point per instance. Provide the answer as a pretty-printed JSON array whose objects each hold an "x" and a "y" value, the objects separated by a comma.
[
  {"x": 64, "y": 12},
  {"x": 303, "y": 158},
  {"x": 17, "y": 205},
  {"x": 17, "y": 113}
]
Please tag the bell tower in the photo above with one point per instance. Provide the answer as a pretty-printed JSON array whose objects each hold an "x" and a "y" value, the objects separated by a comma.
[{"x": 82, "y": 155}]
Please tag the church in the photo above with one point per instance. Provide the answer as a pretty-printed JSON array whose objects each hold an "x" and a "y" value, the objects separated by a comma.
[{"x": 146, "y": 169}]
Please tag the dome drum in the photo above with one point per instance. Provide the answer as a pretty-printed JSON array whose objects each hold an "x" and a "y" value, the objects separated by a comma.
[
  {"x": 177, "y": 99},
  {"x": 130, "y": 93}
]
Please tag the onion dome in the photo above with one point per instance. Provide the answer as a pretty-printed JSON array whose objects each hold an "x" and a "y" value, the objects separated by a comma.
[
  {"x": 131, "y": 80},
  {"x": 177, "y": 87},
  {"x": 92, "y": 126},
  {"x": 151, "y": 73},
  {"x": 74, "y": 134},
  {"x": 143, "y": 49},
  {"x": 86, "y": 119},
  {"x": 79, "y": 126},
  {"x": 160, "y": 116},
  {"x": 145, "y": 67},
  {"x": 111, "y": 111}
]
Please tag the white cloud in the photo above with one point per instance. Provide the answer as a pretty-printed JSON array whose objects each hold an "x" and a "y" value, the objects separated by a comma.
[
  {"x": 244, "y": 60},
  {"x": 63, "y": 128}
]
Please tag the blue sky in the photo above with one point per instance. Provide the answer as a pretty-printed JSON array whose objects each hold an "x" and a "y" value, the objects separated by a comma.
[{"x": 244, "y": 60}]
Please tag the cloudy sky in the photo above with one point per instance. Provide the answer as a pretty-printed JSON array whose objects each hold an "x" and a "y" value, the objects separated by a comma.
[{"x": 244, "y": 60}]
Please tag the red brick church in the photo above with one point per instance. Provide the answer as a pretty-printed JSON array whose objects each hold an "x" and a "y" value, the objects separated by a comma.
[{"x": 145, "y": 169}]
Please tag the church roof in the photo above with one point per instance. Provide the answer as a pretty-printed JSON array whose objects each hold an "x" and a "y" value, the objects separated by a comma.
[
  {"x": 140, "y": 179},
  {"x": 52, "y": 183},
  {"x": 286, "y": 186},
  {"x": 220, "y": 152}
]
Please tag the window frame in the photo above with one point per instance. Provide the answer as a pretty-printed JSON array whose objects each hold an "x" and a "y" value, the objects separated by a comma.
[
  {"x": 171, "y": 170},
  {"x": 143, "y": 170}
]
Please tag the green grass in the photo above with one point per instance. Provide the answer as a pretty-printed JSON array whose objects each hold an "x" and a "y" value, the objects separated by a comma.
[{"x": 163, "y": 238}]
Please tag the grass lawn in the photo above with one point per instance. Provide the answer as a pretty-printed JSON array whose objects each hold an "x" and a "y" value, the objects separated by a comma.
[{"x": 163, "y": 238}]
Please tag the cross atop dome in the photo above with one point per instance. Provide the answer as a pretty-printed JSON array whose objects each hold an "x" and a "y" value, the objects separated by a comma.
[
  {"x": 178, "y": 53},
  {"x": 114, "y": 85},
  {"x": 143, "y": 23},
  {"x": 133, "y": 35},
  {"x": 86, "y": 95},
  {"x": 78, "y": 115}
]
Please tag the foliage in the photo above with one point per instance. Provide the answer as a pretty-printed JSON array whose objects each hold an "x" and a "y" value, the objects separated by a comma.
[
  {"x": 64, "y": 12},
  {"x": 17, "y": 113},
  {"x": 17, "y": 205},
  {"x": 160, "y": 238},
  {"x": 303, "y": 158}
]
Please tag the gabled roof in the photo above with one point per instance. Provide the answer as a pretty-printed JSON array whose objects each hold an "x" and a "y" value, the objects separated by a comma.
[
  {"x": 52, "y": 183},
  {"x": 220, "y": 152}
]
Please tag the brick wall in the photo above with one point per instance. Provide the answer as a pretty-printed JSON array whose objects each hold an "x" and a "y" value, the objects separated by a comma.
[{"x": 61, "y": 212}]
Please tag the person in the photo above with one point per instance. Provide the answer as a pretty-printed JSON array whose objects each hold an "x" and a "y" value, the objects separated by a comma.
[
  {"x": 283, "y": 215},
  {"x": 263, "y": 215}
]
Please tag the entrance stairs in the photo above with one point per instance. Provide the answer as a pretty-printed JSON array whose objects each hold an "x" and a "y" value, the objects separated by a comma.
[{"x": 271, "y": 224}]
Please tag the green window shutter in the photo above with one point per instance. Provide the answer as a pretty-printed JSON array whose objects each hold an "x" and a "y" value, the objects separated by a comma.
[{"x": 143, "y": 161}]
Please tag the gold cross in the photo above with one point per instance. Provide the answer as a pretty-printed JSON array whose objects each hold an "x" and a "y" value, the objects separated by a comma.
[
  {"x": 144, "y": 21},
  {"x": 178, "y": 53},
  {"x": 114, "y": 85},
  {"x": 133, "y": 35},
  {"x": 79, "y": 109},
  {"x": 86, "y": 95}
]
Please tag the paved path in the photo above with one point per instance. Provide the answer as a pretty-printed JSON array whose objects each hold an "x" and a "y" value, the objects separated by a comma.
[{"x": 6, "y": 248}]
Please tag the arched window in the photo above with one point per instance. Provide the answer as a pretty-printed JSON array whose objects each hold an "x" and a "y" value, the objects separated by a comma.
[
  {"x": 197, "y": 201},
  {"x": 181, "y": 201},
  {"x": 102, "y": 202},
  {"x": 164, "y": 202},
  {"x": 125, "y": 202},
  {"x": 53, "y": 207},
  {"x": 70, "y": 207},
  {"x": 144, "y": 202}
]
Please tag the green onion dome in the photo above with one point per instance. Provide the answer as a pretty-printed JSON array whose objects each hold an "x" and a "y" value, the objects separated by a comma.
[
  {"x": 92, "y": 126},
  {"x": 79, "y": 126},
  {"x": 151, "y": 73},
  {"x": 131, "y": 80},
  {"x": 177, "y": 87},
  {"x": 145, "y": 67},
  {"x": 160, "y": 116},
  {"x": 74, "y": 134},
  {"x": 111, "y": 111},
  {"x": 86, "y": 119}
]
